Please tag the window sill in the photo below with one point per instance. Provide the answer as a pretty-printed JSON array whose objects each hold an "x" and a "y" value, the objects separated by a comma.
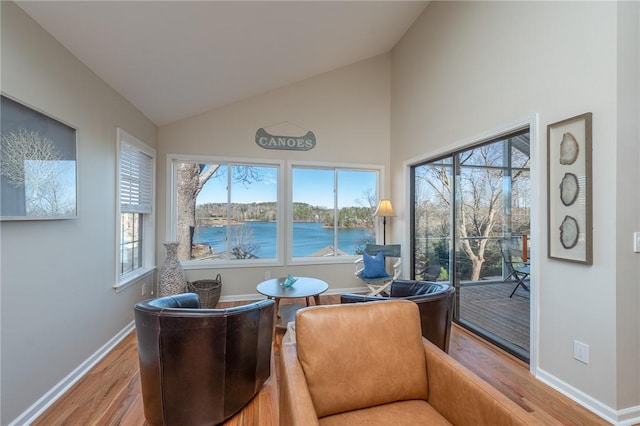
[
  {"x": 222, "y": 264},
  {"x": 329, "y": 260},
  {"x": 132, "y": 278}
]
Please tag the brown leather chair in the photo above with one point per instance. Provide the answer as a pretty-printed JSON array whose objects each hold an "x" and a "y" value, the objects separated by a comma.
[
  {"x": 367, "y": 364},
  {"x": 201, "y": 366},
  {"x": 434, "y": 300}
]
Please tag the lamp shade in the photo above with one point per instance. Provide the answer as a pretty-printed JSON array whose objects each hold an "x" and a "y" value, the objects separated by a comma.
[{"x": 385, "y": 209}]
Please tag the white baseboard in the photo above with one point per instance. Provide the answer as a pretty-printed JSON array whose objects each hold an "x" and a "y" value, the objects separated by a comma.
[
  {"x": 624, "y": 417},
  {"x": 37, "y": 408},
  {"x": 256, "y": 296}
]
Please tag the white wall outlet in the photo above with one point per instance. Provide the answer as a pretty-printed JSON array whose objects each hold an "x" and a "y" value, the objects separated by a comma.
[
  {"x": 636, "y": 242},
  {"x": 144, "y": 289},
  {"x": 581, "y": 351},
  {"x": 267, "y": 275}
]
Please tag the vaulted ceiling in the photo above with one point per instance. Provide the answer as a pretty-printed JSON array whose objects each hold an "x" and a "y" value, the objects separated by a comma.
[{"x": 175, "y": 59}]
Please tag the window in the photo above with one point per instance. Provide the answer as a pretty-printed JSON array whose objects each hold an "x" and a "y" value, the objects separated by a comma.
[
  {"x": 229, "y": 212},
  {"x": 136, "y": 240},
  {"x": 332, "y": 210},
  {"x": 226, "y": 211}
]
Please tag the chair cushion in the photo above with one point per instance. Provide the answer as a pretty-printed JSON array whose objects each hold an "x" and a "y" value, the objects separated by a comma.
[
  {"x": 374, "y": 266},
  {"x": 403, "y": 413},
  {"x": 361, "y": 355}
]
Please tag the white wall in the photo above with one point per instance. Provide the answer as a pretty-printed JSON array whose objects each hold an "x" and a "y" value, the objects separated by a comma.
[
  {"x": 347, "y": 109},
  {"x": 466, "y": 68},
  {"x": 628, "y": 205},
  {"x": 58, "y": 306}
]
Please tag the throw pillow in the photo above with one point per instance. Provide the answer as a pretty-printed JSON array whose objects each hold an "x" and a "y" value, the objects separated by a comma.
[{"x": 374, "y": 266}]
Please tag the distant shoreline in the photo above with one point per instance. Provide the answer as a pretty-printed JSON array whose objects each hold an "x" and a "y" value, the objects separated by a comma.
[{"x": 219, "y": 223}]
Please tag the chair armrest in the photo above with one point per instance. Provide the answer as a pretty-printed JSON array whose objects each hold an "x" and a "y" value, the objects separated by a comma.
[
  {"x": 452, "y": 386},
  {"x": 359, "y": 267},
  {"x": 359, "y": 298},
  {"x": 296, "y": 406},
  {"x": 397, "y": 272}
]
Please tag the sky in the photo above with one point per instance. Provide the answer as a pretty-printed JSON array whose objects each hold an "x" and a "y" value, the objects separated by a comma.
[{"x": 311, "y": 186}]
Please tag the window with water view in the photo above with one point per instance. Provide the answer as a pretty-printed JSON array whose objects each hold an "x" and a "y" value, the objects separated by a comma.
[
  {"x": 226, "y": 211},
  {"x": 231, "y": 211},
  {"x": 332, "y": 211}
]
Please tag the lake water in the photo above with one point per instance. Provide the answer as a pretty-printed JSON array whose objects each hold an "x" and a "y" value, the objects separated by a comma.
[{"x": 308, "y": 238}]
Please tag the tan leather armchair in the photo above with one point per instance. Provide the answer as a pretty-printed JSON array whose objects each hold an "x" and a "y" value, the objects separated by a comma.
[{"x": 368, "y": 364}]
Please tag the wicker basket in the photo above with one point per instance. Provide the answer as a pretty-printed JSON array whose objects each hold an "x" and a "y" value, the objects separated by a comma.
[{"x": 207, "y": 290}]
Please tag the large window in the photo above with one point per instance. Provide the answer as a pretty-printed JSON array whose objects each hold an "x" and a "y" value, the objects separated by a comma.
[
  {"x": 136, "y": 177},
  {"x": 226, "y": 211},
  {"x": 332, "y": 210},
  {"x": 231, "y": 212}
]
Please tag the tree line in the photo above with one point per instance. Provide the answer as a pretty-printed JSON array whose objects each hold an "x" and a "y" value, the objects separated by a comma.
[{"x": 348, "y": 217}]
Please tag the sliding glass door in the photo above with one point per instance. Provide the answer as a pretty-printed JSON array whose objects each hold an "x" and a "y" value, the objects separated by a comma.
[{"x": 466, "y": 207}]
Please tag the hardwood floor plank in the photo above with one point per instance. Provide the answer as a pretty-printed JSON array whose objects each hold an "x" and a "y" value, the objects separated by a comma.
[
  {"x": 512, "y": 377},
  {"x": 110, "y": 393}
]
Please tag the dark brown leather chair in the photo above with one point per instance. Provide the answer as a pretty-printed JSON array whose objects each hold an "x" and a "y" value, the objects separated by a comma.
[
  {"x": 434, "y": 300},
  {"x": 201, "y": 366}
]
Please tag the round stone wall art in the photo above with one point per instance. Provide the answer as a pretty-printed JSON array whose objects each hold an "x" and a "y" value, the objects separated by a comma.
[
  {"x": 569, "y": 149},
  {"x": 569, "y": 189},
  {"x": 569, "y": 232}
]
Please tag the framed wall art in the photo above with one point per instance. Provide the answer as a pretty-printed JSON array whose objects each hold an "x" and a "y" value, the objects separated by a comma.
[
  {"x": 569, "y": 232},
  {"x": 38, "y": 171}
]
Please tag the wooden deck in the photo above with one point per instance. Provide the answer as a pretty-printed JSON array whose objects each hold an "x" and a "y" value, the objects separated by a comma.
[{"x": 489, "y": 307}]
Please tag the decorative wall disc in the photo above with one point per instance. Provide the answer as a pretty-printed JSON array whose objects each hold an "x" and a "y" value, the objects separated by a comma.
[
  {"x": 569, "y": 232},
  {"x": 569, "y": 189},
  {"x": 569, "y": 149}
]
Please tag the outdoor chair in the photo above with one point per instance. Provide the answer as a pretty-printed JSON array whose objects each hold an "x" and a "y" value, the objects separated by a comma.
[
  {"x": 372, "y": 269},
  {"x": 517, "y": 270}
]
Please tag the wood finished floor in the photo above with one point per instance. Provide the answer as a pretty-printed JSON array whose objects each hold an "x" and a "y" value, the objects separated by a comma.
[{"x": 110, "y": 393}]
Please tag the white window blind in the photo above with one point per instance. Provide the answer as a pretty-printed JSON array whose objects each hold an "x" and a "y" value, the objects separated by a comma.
[{"x": 136, "y": 180}]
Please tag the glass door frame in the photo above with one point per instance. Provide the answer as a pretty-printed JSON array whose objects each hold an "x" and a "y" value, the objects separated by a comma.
[{"x": 454, "y": 240}]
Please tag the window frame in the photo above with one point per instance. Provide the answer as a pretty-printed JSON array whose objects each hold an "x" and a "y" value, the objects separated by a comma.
[
  {"x": 173, "y": 159},
  {"x": 148, "y": 265},
  {"x": 335, "y": 167}
]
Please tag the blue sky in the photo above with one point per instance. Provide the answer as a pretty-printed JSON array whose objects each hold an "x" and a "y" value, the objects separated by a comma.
[{"x": 311, "y": 186}]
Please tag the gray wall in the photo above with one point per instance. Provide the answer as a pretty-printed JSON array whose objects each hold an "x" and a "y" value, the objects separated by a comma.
[
  {"x": 348, "y": 111},
  {"x": 58, "y": 303},
  {"x": 465, "y": 69}
]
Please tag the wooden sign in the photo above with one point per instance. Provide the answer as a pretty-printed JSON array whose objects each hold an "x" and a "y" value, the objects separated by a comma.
[{"x": 291, "y": 143}]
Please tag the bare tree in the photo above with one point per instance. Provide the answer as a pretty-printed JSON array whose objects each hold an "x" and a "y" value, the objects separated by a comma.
[
  {"x": 480, "y": 199},
  {"x": 33, "y": 162},
  {"x": 242, "y": 245},
  {"x": 480, "y": 208},
  {"x": 191, "y": 179}
]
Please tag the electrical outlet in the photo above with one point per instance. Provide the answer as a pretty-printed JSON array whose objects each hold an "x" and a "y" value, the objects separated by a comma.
[
  {"x": 144, "y": 289},
  {"x": 267, "y": 275},
  {"x": 581, "y": 351},
  {"x": 636, "y": 242}
]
